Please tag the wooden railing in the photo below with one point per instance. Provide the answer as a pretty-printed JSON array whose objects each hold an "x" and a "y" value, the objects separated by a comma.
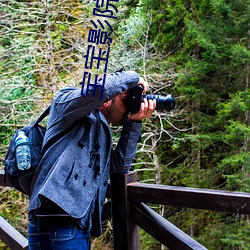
[
  {"x": 8, "y": 234},
  {"x": 129, "y": 212}
]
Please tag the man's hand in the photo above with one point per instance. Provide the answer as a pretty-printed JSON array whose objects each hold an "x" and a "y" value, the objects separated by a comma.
[
  {"x": 147, "y": 108},
  {"x": 143, "y": 83}
]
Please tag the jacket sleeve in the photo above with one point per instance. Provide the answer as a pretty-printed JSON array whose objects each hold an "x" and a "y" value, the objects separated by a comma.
[
  {"x": 124, "y": 153},
  {"x": 69, "y": 105}
]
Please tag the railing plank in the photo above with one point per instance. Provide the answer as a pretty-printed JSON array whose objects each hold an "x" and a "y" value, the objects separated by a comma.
[
  {"x": 11, "y": 237},
  {"x": 126, "y": 191},
  {"x": 161, "y": 229},
  {"x": 208, "y": 199}
]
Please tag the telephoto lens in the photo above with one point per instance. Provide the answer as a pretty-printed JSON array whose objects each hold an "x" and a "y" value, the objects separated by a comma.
[
  {"x": 162, "y": 102},
  {"x": 135, "y": 98}
]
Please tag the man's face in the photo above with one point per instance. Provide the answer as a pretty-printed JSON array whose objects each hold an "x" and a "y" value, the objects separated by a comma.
[{"x": 117, "y": 109}]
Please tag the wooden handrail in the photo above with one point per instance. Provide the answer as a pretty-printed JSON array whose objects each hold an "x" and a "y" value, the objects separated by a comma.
[
  {"x": 208, "y": 199},
  {"x": 161, "y": 229},
  {"x": 134, "y": 194},
  {"x": 129, "y": 212},
  {"x": 11, "y": 237}
]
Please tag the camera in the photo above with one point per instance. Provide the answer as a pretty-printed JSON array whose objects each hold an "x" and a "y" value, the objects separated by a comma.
[{"x": 135, "y": 97}]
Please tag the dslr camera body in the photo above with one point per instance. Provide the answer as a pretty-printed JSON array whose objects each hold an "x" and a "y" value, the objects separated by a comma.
[{"x": 135, "y": 97}]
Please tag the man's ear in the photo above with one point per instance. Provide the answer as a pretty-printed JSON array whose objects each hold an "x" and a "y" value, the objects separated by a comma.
[
  {"x": 105, "y": 104},
  {"x": 104, "y": 108}
]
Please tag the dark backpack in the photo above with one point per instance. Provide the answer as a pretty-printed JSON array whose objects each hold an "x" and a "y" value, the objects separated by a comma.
[{"x": 21, "y": 179}]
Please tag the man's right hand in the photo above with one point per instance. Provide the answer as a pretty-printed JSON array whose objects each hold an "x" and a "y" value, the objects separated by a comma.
[{"x": 143, "y": 83}]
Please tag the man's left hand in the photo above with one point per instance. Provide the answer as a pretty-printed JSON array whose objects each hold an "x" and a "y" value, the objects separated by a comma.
[{"x": 147, "y": 108}]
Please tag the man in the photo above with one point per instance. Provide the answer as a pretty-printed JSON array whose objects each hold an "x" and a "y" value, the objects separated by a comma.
[{"x": 70, "y": 184}]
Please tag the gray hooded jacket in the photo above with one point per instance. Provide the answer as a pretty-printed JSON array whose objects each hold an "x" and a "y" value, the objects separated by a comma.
[{"x": 67, "y": 173}]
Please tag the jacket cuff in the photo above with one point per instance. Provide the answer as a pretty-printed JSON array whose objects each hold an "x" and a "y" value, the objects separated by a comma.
[{"x": 134, "y": 126}]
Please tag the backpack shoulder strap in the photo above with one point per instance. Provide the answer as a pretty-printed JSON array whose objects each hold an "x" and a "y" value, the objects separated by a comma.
[{"x": 43, "y": 115}]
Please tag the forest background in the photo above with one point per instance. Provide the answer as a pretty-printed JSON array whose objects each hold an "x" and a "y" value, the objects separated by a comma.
[{"x": 197, "y": 50}]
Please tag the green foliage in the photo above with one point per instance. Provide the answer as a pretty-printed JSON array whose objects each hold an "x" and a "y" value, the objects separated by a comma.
[
  {"x": 197, "y": 50},
  {"x": 41, "y": 48},
  {"x": 148, "y": 242},
  {"x": 206, "y": 43},
  {"x": 14, "y": 208},
  {"x": 222, "y": 235}
]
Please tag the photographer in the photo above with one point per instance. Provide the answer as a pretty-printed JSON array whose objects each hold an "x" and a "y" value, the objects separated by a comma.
[{"x": 70, "y": 185}]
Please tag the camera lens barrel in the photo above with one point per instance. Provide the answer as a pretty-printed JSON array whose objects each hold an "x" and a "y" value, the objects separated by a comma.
[
  {"x": 162, "y": 102},
  {"x": 135, "y": 98}
]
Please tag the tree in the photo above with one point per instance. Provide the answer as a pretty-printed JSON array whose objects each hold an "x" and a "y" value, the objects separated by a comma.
[
  {"x": 206, "y": 44},
  {"x": 42, "y": 44}
]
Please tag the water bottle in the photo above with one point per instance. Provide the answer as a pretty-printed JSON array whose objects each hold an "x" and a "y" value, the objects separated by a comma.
[{"x": 23, "y": 156}]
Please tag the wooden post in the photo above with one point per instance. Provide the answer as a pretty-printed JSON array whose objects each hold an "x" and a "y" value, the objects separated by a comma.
[{"x": 126, "y": 233}]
